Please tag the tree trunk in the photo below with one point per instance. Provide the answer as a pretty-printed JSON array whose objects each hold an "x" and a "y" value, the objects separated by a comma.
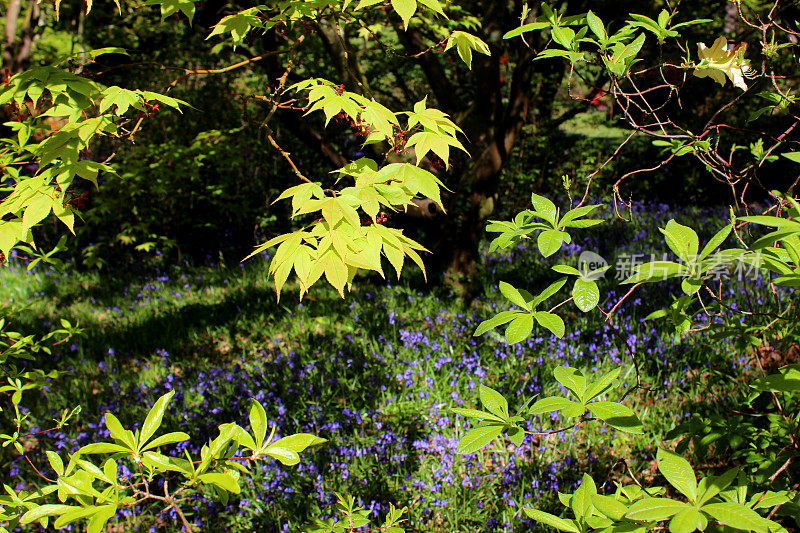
[
  {"x": 493, "y": 135},
  {"x": 12, "y": 15},
  {"x": 17, "y": 52}
]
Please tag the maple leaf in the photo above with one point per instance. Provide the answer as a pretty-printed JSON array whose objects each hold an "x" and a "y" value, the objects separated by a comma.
[{"x": 721, "y": 60}]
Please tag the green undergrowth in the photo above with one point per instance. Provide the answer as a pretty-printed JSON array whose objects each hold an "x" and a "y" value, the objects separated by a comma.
[{"x": 379, "y": 370}]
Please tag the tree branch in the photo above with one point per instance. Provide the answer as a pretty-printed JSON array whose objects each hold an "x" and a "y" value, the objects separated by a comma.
[
  {"x": 311, "y": 138},
  {"x": 444, "y": 91}
]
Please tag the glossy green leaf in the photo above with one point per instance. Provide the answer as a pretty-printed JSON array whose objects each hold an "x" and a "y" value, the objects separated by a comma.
[
  {"x": 549, "y": 404},
  {"x": 477, "y": 438},
  {"x": 41, "y": 511},
  {"x": 573, "y": 410},
  {"x": 625, "y": 53},
  {"x": 55, "y": 462},
  {"x": 498, "y": 320},
  {"x": 493, "y": 401},
  {"x": 99, "y": 519},
  {"x": 169, "y": 438},
  {"x": 551, "y": 520},
  {"x": 225, "y": 481},
  {"x": 519, "y": 329},
  {"x": 656, "y": 271},
  {"x": 551, "y": 321},
  {"x": 655, "y": 509},
  {"x": 572, "y": 379},
  {"x": 686, "y": 521},
  {"x": 115, "y": 428},
  {"x": 513, "y": 295},
  {"x": 74, "y": 514},
  {"x": 531, "y": 26},
  {"x": 154, "y": 417},
  {"x": 682, "y": 240},
  {"x": 710, "y": 486},
  {"x": 596, "y": 25},
  {"x": 474, "y": 413},
  {"x": 610, "y": 507},
  {"x": 544, "y": 208},
  {"x": 716, "y": 241},
  {"x": 566, "y": 269},
  {"x": 258, "y": 422},
  {"x": 581, "y": 501},
  {"x": 737, "y": 516},
  {"x": 602, "y": 385},
  {"x": 516, "y": 435},
  {"x": 585, "y": 294},
  {"x": 678, "y": 472},
  {"x": 284, "y": 455},
  {"x": 102, "y": 447},
  {"x": 549, "y": 242},
  {"x": 299, "y": 442},
  {"x": 617, "y": 415},
  {"x": 549, "y": 291}
]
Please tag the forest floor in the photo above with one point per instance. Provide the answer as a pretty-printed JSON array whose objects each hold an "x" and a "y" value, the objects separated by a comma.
[{"x": 376, "y": 374}]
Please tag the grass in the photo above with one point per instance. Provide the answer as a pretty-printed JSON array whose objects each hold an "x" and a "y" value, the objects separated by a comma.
[
  {"x": 593, "y": 125},
  {"x": 376, "y": 374}
]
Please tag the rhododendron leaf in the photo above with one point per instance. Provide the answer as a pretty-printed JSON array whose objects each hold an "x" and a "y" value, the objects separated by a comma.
[
  {"x": 678, "y": 472},
  {"x": 498, "y": 320},
  {"x": 98, "y": 521},
  {"x": 551, "y": 321},
  {"x": 474, "y": 413},
  {"x": 544, "y": 208},
  {"x": 299, "y": 442},
  {"x": 738, "y": 516},
  {"x": 549, "y": 404},
  {"x": 226, "y": 481},
  {"x": 102, "y": 447},
  {"x": 572, "y": 379},
  {"x": 602, "y": 385},
  {"x": 716, "y": 241},
  {"x": 687, "y": 521},
  {"x": 549, "y": 291},
  {"x": 654, "y": 509},
  {"x": 581, "y": 501},
  {"x": 258, "y": 422},
  {"x": 41, "y": 511},
  {"x": 519, "y": 329},
  {"x": 682, "y": 240},
  {"x": 569, "y": 526},
  {"x": 516, "y": 435},
  {"x": 169, "y": 438},
  {"x": 596, "y": 25},
  {"x": 478, "y": 437},
  {"x": 573, "y": 410},
  {"x": 154, "y": 417},
  {"x": 550, "y": 241},
  {"x": 119, "y": 433},
  {"x": 617, "y": 415},
  {"x": 493, "y": 401},
  {"x": 585, "y": 294},
  {"x": 609, "y": 506},
  {"x": 513, "y": 295}
]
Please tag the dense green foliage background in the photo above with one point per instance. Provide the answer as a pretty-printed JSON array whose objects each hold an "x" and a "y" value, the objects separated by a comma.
[{"x": 201, "y": 183}]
